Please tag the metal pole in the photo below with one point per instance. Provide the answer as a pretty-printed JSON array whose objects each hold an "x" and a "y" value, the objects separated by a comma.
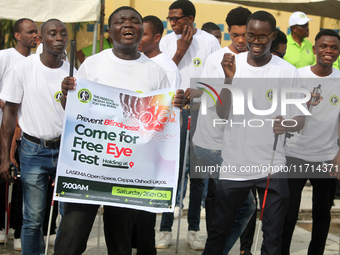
[{"x": 182, "y": 184}]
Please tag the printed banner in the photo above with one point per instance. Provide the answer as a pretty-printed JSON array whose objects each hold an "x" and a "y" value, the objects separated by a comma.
[{"x": 119, "y": 148}]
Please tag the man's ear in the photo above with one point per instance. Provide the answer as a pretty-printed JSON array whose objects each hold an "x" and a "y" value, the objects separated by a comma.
[
  {"x": 191, "y": 19},
  {"x": 17, "y": 36},
  {"x": 274, "y": 35},
  {"x": 314, "y": 50},
  {"x": 157, "y": 38}
]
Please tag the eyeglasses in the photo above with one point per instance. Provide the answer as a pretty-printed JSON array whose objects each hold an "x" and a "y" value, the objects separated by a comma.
[
  {"x": 260, "y": 38},
  {"x": 174, "y": 19},
  {"x": 279, "y": 54}
]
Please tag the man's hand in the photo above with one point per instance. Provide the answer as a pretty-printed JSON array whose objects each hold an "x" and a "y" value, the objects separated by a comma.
[
  {"x": 228, "y": 65},
  {"x": 5, "y": 172},
  {"x": 278, "y": 128},
  {"x": 179, "y": 99},
  {"x": 184, "y": 42},
  {"x": 317, "y": 98},
  {"x": 69, "y": 83},
  {"x": 190, "y": 94},
  {"x": 335, "y": 171}
]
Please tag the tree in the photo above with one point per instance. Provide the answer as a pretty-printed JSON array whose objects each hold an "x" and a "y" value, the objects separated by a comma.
[{"x": 7, "y": 39}]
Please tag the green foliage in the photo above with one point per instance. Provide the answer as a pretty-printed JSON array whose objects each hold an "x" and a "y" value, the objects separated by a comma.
[{"x": 7, "y": 39}]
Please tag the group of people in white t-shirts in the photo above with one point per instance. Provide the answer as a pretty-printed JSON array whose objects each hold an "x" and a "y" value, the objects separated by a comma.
[{"x": 245, "y": 67}]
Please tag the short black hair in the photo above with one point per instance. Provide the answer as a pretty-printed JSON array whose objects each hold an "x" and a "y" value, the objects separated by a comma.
[
  {"x": 209, "y": 27},
  {"x": 155, "y": 23},
  {"x": 263, "y": 16},
  {"x": 188, "y": 8},
  {"x": 281, "y": 38},
  {"x": 17, "y": 25},
  {"x": 238, "y": 17},
  {"x": 329, "y": 32},
  {"x": 44, "y": 24},
  {"x": 123, "y": 8}
]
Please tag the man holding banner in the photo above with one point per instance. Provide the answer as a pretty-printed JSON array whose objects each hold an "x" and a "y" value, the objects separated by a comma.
[{"x": 122, "y": 67}]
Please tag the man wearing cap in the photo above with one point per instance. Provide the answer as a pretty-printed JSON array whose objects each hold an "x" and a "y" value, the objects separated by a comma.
[{"x": 299, "y": 50}]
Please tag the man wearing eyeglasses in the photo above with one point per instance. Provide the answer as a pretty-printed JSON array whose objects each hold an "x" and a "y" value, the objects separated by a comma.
[
  {"x": 188, "y": 47},
  {"x": 247, "y": 148},
  {"x": 299, "y": 50}
]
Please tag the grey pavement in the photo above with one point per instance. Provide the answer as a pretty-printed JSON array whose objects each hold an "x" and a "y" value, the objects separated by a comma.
[{"x": 299, "y": 245}]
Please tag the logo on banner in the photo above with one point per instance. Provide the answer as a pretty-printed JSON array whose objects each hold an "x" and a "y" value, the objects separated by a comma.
[{"x": 84, "y": 96}]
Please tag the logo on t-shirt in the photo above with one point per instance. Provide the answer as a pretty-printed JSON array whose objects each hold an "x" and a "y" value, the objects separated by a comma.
[
  {"x": 84, "y": 96},
  {"x": 269, "y": 95},
  {"x": 307, "y": 51},
  {"x": 197, "y": 62},
  {"x": 57, "y": 96},
  {"x": 334, "y": 100}
]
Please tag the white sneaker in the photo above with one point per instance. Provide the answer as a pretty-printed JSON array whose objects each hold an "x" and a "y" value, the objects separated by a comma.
[
  {"x": 2, "y": 236},
  {"x": 51, "y": 241},
  {"x": 17, "y": 244},
  {"x": 164, "y": 240},
  {"x": 202, "y": 212},
  {"x": 193, "y": 241},
  {"x": 177, "y": 211}
]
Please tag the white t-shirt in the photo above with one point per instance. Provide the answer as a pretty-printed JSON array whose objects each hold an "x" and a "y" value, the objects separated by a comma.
[
  {"x": 246, "y": 147},
  {"x": 37, "y": 89},
  {"x": 8, "y": 58},
  {"x": 206, "y": 135},
  {"x": 170, "y": 68},
  {"x": 319, "y": 142},
  {"x": 140, "y": 75},
  {"x": 192, "y": 63}
]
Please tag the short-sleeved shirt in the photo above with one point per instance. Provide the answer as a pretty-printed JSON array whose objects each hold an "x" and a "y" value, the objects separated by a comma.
[
  {"x": 248, "y": 144},
  {"x": 192, "y": 63},
  {"x": 299, "y": 56},
  {"x": 37, "y": 88},
  {"x": 319, "y": 142}
]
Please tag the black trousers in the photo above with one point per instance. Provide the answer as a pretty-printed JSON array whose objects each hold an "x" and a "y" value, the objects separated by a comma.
[
  {"x": 143, "y": 234},
  {"x": 323, "y": 196},
  {"x": 247, "y": 237},
  {"x": 77, "y": 223},
  {"x": 231, "y": 195}
]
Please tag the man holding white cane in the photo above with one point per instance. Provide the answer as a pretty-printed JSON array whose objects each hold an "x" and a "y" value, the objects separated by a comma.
[
  {"x": 309, "y": 153},
  {"x": 247, "y": 150}
]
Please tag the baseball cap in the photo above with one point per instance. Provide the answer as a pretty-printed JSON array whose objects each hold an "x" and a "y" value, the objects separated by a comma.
[{"x": 298, "y": 18}]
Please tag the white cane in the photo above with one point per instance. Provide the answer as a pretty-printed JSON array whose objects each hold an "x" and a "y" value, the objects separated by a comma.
[
  {"x": 182, "y": 184},
  {"x": 49, "y": 225},
  {"x": 9, "y": 189},
  {"x": 316, "y": 90},
  {"x": 265, "y": 194}
]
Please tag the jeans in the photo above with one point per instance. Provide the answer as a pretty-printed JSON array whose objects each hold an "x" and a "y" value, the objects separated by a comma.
[
  {"x": 211, "y": 158},
  {"x": 38, "y": 163}
]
